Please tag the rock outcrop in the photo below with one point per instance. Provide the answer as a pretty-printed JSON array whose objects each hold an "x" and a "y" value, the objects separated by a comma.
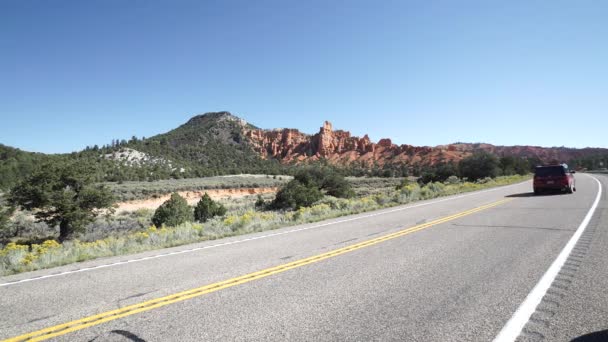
[{"x": 340, "y": 148}]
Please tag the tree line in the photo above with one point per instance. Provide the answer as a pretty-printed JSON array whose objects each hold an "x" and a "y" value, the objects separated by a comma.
[{"x": 477, "y": 166}]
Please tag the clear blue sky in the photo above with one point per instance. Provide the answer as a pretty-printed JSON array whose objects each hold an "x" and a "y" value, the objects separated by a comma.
[{"x": 77, "y": 73}]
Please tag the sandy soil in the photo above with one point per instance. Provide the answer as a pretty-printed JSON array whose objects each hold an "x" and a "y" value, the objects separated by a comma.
[{"x": 193, "y": 197}]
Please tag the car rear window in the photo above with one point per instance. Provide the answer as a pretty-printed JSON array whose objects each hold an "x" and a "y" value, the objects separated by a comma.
[{"x": 550, "y": 171}]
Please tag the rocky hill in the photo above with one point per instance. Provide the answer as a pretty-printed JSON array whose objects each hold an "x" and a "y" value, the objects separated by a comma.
[{"x": 208, "y": 144}]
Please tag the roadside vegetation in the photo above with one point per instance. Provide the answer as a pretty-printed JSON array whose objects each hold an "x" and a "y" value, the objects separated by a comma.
[
  {"x": 313, "y": 194},
  {"x": 593, "y": 163}
]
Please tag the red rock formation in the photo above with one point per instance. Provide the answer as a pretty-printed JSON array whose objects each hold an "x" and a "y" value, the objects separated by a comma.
[{"x": 339, "y": 147}]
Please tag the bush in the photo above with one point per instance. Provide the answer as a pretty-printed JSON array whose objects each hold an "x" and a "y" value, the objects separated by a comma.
[
  {"x": 207, "y": 208},
  {"x": 335, "y": 185},
  {"x": 328, "y": 180},
  {"x": 404, "y": 182},
  {"x": 510, "y": 165},
  {"x": 173, "y": 212},
  {"x": 438, "y": 173},
  {"x": 295, "y": 195},
  {"x": 308, "y": 186},
  {"x": 479, "y": 165},
  {"x": 452, "y": 180},
  {"x": 5, "y": 215},
  {"x": 260, "y": 204}
]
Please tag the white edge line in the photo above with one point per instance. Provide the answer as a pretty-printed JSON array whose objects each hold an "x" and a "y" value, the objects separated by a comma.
[
  {"x": 520, "y": 318},
  {"x": 91, "y": 268}
]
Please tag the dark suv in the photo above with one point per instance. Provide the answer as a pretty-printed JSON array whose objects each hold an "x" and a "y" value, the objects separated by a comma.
[{"x": 554, "y": 177}]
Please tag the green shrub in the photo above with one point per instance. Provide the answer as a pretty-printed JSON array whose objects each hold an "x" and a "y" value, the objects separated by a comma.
[
  {"x": 295, "y": 195},
  {"x": 327, "y": 180},
  {"x": 173, "y": 212},
  {"x": 404, "y": 182},
  {"x": 5, "y": 215},
  {"x": 511, "y": 165},
  {"x": 207, "y": 208},
  {"x": 308, "y": 187},
  {"x": 260, "y": 204},
  {"x": 479, "y": 165},
  {"x": 438, "y": 173},
  {"x": 335, "y": 185},
  {"x": 452, "y": 180}
]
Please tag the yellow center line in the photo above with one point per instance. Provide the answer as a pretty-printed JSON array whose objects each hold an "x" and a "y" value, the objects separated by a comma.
[{"x": 107, "y": 316}]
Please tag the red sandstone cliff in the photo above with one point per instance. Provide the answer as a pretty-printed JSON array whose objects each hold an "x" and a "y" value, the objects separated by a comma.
[{"x": 339, "y": 147}]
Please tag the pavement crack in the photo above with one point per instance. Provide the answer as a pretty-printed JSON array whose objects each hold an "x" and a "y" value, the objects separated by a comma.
[
  {"x": 137, "y": 295},
  {"x": 376, "y": 233},
  {"x": 345, "y": 241},
  {"x": 39, "y": 319}
]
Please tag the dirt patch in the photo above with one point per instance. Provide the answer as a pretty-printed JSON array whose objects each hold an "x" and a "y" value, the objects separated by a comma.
[{"x": 193, "y": 197}]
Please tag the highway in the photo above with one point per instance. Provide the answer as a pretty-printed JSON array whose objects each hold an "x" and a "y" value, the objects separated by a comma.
[{"x": 459, "y": 268}]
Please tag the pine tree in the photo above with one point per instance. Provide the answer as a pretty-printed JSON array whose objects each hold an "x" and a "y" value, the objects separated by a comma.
[
  {"x": 173, "y": 212},
  {"x": 207, "y": 208}
]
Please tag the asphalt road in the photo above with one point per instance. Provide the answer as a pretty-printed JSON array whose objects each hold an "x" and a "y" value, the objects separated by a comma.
[{"x": 459, "y": 279}]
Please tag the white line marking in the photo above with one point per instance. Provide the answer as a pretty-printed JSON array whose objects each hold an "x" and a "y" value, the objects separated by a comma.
[
  {"x": 520, "y": 318},
  {"x": 254, "y": 238}
]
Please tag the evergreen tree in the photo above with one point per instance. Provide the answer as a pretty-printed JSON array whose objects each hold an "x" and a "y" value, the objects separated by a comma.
[
  {"x": 295, "y": 195},
  {"x": 207, "y": 208},
  {"x": 63, "y": 195},
  {"x": 173, "y": 212},
  {"x": 5, "y": 215},
  {"x": 479, "y": 165}
]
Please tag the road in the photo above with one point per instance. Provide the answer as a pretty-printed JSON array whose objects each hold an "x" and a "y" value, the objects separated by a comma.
[{"x": 457, "y": 274}]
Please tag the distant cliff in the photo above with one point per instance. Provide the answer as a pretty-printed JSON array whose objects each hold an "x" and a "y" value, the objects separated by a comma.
[{"x": 339, "y": 147}]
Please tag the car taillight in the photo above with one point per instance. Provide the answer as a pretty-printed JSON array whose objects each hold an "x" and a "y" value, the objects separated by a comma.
[{"x": 565, "y": 180}]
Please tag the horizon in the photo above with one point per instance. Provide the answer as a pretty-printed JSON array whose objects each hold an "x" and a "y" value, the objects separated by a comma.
[
  {"x": 419, "y": 73},
  {"x": 310, "y": 134}
]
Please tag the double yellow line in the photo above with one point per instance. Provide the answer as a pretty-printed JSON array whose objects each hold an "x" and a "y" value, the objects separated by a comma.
[{"x": 107, "y": 316}]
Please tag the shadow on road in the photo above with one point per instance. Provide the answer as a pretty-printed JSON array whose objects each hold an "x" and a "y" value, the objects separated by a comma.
[
  {"x": 131, "y": 336},
  {"x": 598, "y": 336},
  {"x": 531, "y": 194}
]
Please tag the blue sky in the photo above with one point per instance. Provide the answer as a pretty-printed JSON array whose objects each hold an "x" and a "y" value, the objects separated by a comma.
[{"x": 77, "y": 73}]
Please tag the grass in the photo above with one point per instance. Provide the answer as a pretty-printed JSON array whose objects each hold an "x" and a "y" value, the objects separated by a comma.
[{"x": 243, "y": 219}]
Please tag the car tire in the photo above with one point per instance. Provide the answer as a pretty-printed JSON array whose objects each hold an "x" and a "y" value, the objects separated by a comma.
[{"x": 570, "y": 189}]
